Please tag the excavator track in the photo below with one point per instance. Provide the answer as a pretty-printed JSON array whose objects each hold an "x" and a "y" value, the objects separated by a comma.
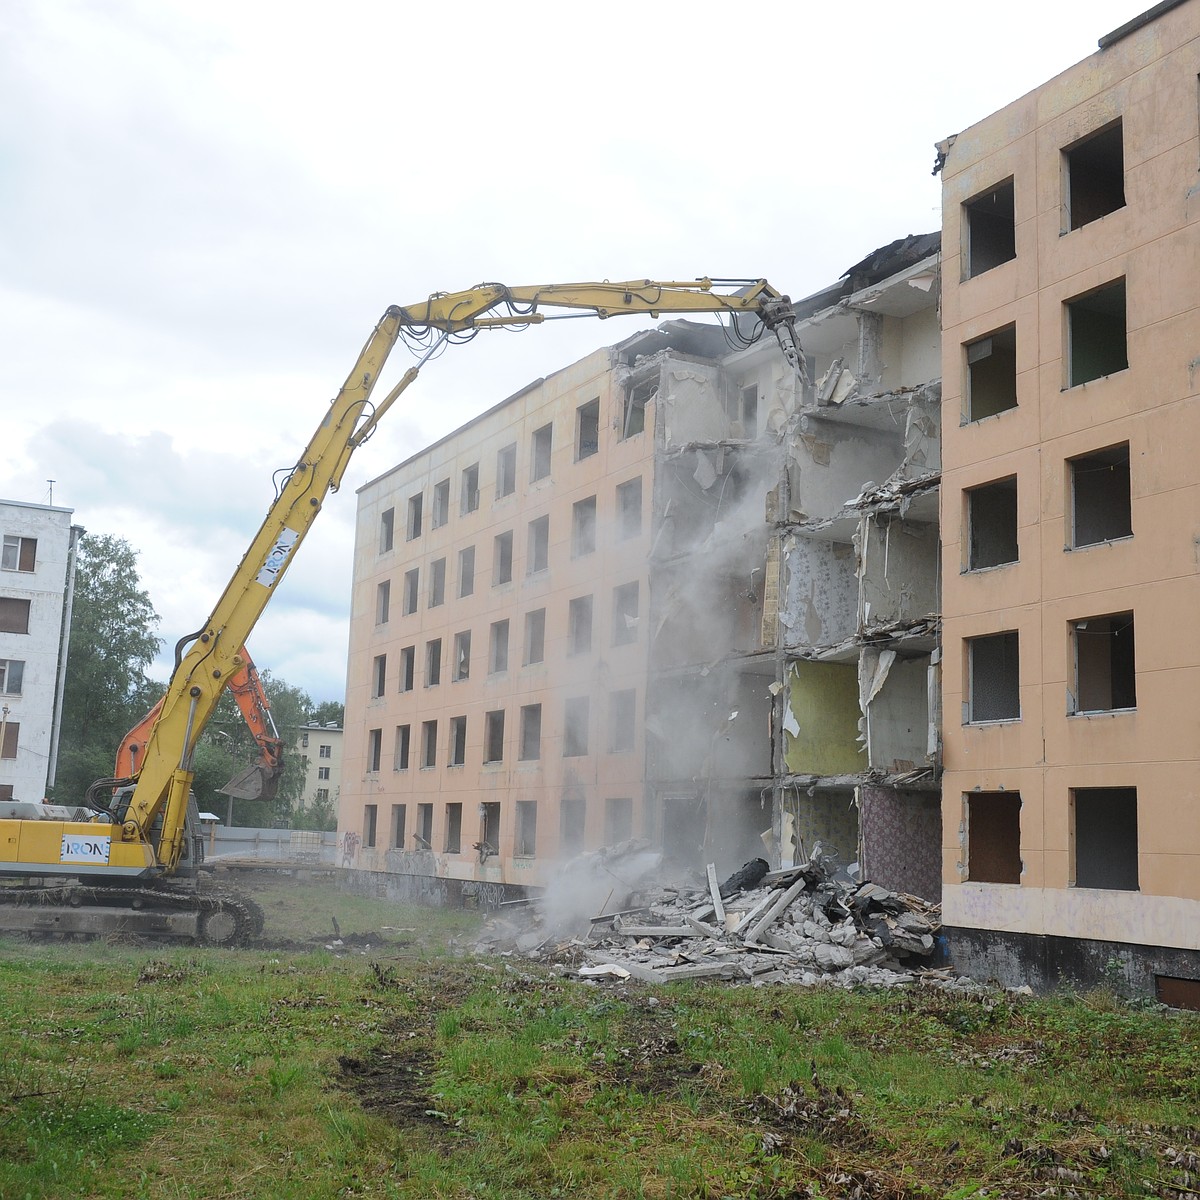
[{"x": 207, "y": 917}]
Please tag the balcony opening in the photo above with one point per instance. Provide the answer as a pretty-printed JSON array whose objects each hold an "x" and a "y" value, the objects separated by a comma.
[
  {"x": 408, "y": 665},
  {"x": 990, "y": 227},
  {"x": 992, "y": 524},
  {"x": 437, "y": 583},
  {"x": 506, "y": 471},
  {"x": 493, "y": 736},
  {"x": 1096, "y": 344},
  {"x": 1101, "y": 509},
  {"x": 441, "y": 504},
  {"x": 462, "y": 656},
  {"x": 539, "y": 546},
  {"x": 423, "y": 834},
  {"x": 458, "y": 741},
  {"x": 618, "y": 820},
  {"x": 502, "y": 558},
  {"x": 1105, "y": 838},
  {"x": 994, "y": 837},
  {"x": 428, "y": 744},
  {"x": 583, "y": 527},
  {"x": 576, "y": 714},
  {"x": 453, "y": 828},
  {"x": 466, "y": 572},
  {"x": 1094, "y": 170},
  {"x": 1105, "y": 679},
  {"x": 433, "y": 662},
  {"x": 579, "y": 625},
  {"x": 993, "y": 669},
  {"x": 414, "y": 516},
  {"x": 469, "y": 499},
  {"x": 396, "y": 840},
  {"x": 525, "y": 842},
  {"x": 535, "y": 637},
  {"x": 401, "y": 748},
  {"x": 992, "y": 374},
  {"x": 531, "y": 732},
  {"x": 587, "y": 429},
  {"x": 541, "y": 445},
  {"x": 489, "y": 830}
]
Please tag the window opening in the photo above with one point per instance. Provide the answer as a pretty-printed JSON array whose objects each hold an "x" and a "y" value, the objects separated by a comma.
[
  {"x": 19, "y": 553},
  {"x": 618, "y": 820},
  {"x": 625, "y": 614},
  {"x": 587, "y": 429},
  {"x": 994, "y": 678},
  {"x": 1095, "y": 177},
  {"x": 1096, "y": 334},
  {"x": 383, "y": 602},
  {"x": 387, "y": 530},
  {"x": 541, "y": 447},
  {"x": 397, "y": 835},
  {"x": 994, "y": 837},
  {"x": 539, "y": 545},
  {"x": 414, "y": 516},
  {"x": 462, "y": 656},
  {"x": 437, "y": 583},
  {"x": 583, "y": 527},
  {"x": 992, "y": 524},
  {"x": 412, "y": 585},
  {"x": 379, "y": 677},
  {"x": 408, "y": 663},
  {"x": 1105, "y": 838},
  {"x": 502, "y": 556},
  {"x": 489, "y": 835},
  {"x": 453, "y": 828},
  {"x": 579, "y": 625},
  {"x": 531, "y": 732},
  {"x": 535, "y": 637},
  {"x": 629, "y": 507},
  {"x": 637, "y": 396},
  {"x": 742, "y": 410},
  {"x": 469, "y": 500},
  {"x": 370, "y": 822},
  {"x": 622, "y": 721},
  {"x": 525, "y": 843},
  {"x": 374, "y": 748},
  {"x": 441, "y": 504},
  {"x": 493, "y": 736},
  {"x": 466, "y": 572},
  {"x": 1101, "y": 509},
  {"x": 423, "y": 836},
  {"x": 572, "y": 818},
  {"x": 433, "y": 662},
  {"x": 402, "y": 747},
  {"x": 992, "y": 374},
  {"x": 428, "y": 744},
  {"x": 991, "y": 233},
  {"x": 14, "y": 615},
  {"x": 575, "y": 727},
  {"x": 1105, "y": 679},
  {"x": 498, "y": 648},
  {"x": 458, "y": 741},
  {"x": 506, "y": 471},
  {"x": 12, "y": 676}
]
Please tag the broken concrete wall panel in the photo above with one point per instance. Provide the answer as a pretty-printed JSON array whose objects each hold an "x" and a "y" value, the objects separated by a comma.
[
  {"x": 830, "y": 818},
  {"x": 920, "y": 348},
  {"x": 820, "y": 719},
  {"x": 898, "y": 572},
  {"x": 923, "y": 433},
  {"x": 901, "y": 840},
  {"x": 828, "y": 464},
  {"x": 691, "y": 401},
  {"x": 821, "y": 602},
  {"x": 894, "y": 695}
]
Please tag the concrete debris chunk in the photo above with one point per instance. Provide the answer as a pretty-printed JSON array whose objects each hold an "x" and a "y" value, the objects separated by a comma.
[{"x": 614, "y": 911}]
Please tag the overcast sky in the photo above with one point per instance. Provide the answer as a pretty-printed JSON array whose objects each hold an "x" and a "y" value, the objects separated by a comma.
[{"x": 207, "y": 207}]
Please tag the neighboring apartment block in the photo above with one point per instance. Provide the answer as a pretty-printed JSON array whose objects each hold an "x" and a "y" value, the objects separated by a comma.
[
  {"x": 671, "y": 592},
  {"x": 1071, "y": 519},
  {"x": 319, "y": 747},
  {"x": 37, "y": 560}
]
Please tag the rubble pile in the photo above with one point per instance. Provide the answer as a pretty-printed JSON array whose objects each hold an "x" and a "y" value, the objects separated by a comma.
[{"x": 802, "y": 925}]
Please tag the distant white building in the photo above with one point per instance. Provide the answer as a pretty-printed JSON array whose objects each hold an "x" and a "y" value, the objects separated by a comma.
[
  {"x": 37, "y": 571},
  {"x": 320, "y": 749}
]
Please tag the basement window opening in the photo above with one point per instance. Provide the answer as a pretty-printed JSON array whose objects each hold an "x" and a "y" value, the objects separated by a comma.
[
  {"x": 458, "y": 741},
  {"x": 991, "y": 374},
  {"x": 1105, "y": 679},
  {"x": 587, "y": 429},
  {"x": 1175, "y": 992},
  {"x": 993, "y": 837},
  {"x": 1096, "y": 339},
  {"x": 1105, "y": 841},
  {"x": 992, "y": 524},
  {"x": 1094, "y": 177},
  {"x": 1101, "y": 509},
  {"x": 990, "y": 227},
  {"x": 993, "y": 678}
]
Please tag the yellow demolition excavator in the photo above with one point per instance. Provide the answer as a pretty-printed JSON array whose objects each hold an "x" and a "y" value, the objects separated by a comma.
[{"x": 132, "y": 864}]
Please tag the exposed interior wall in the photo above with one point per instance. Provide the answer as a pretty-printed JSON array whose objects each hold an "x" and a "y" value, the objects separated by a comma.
[
  {"x": 894, "y": 694},
  {"x": 821, "y": 598},
  {"x": 690, "y": 403},
  {"x": 820, "y": 721},
  {"x": 899, "y": 570},
  {"x": 829, "y": 462},
  {"x": 901, "y": 840},
  {"x": 828, "y": 817}
]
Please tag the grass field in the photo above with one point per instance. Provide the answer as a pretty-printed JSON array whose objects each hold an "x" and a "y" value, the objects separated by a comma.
[{"x": 397, "y": 1065}]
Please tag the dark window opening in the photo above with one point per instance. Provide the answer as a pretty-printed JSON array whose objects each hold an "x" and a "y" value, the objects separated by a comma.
[
  {"x": 579, "y": 625},
  {"x": 1106, "y": 838},
  {"x": 506, "y": 471},
  {"x": 991, "y": 233},
  {"x": 618, "y": 820},
  {"x": 374, "y": 748},
  {"x": 625, "y": 614},
  {"x": 1096, "y": 334},
  {"x": 493, "y": 736},
  {"x": 629, "y": 508},
  {"x": 498, "y": 648},
  {"x": 12, "y": 676},
  {"x": 993, "y": 665},
  {"x": 742, "y": 410},
  {"x": 575, "y": 727},
  {"x": 535, "y": 637},
  {"x": 1104, "y": 672},
  {"x": 992, "y": 524},
  {"x": 622, "y": 721},
  {"x": 539, "y": 545},
  {"x": 402, "y": 747},
  {"x": 423, "y": 837},
  {"x": 583, "y": 527},
  {"x": 1095, "y": 177},
  {"x": 1172, "y": 991},
  {"x": 428, "y": 744},
  {"x": 994, "y": 837},
  {"x": 370, "y": 823},
  {"x": 14, "y": 615},
  {"x": 458, "y": 741},
  {"x": 466, "y": 572},
  {"x": 541, "y": 446},
  {"x": 633, "y": 415},
  {"x": 992, "y": 374},
  {"x": 572, "y": 818},
  {"x": 441, "y": 504},
  {"x": 437, "y": 583},
  {"x": 415, "y": 504},
  {"x": 469, "y": 501},
  {"x": 489, "y": 835},
  {"x": 502, "y": 558},
  {"x": 387, "y": 530},
  {"x": 531, "y": 732},
  {"x": 462, "y": 656},
  {"x": 412, "y": 587},
  {"x": 525, "y": 843},
  {"x": 383, "y": 602},
  {"x": 19, "y": 553},
  {"x": 397, "y": 836},
  {"x": 587, "y": 429},
  {"x": 379, "y": 677},
  {"x": 408, "y": 664},
  {"x": 453, "y": 828},
  {"x": 12, "y": 739},
  {"x": 433, "y": 662},
  {"x": 1101, "y": 510}
]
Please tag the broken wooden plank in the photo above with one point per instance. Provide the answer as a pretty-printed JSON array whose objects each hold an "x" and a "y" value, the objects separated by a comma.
[{"x": 714, "y": 891}]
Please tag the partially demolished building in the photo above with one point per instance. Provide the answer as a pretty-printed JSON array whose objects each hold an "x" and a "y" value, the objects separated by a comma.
[{"x": 674, "y": 592}]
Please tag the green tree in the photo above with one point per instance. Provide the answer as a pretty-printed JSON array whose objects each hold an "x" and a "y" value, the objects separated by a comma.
[
  {"x": 328, "y": 710},
  {"x": 112, "y": 643}
]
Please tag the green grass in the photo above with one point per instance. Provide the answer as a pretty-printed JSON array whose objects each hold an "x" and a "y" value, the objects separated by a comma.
[{"x": 407, "y": 1071}]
